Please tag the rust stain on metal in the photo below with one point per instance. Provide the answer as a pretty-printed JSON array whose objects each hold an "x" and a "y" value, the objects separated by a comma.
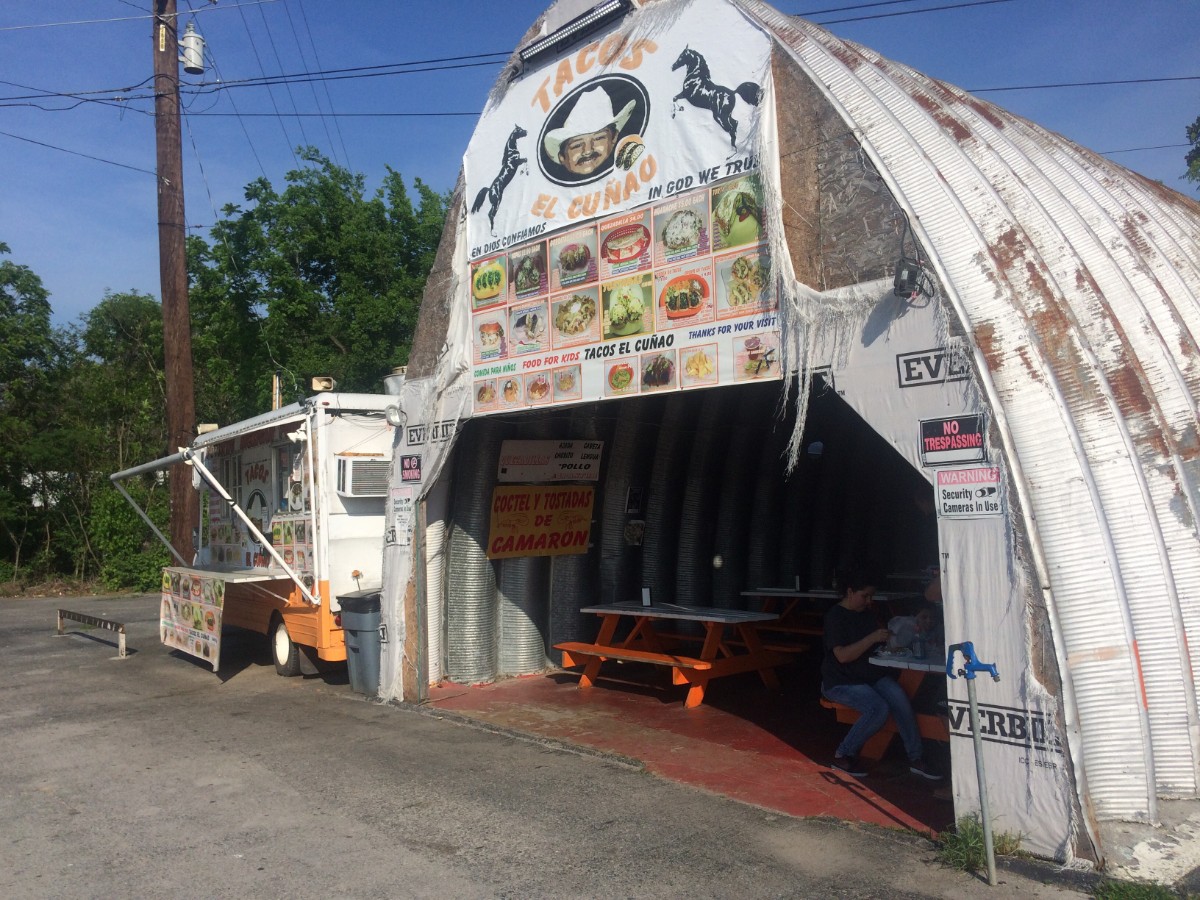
[
  {"x": 1162, "y": 193},
  {"x": 1047, "y": 318},
  {"x": 1133, "y": 234},
  {"x": 1027, "y": 362},
  {"x": 1131, "y": 386},
  {"x": 792, "y": 36},
  {"x": 1128, "y": 389},
  {"x": 846, "y": 56},
  {"x": 985, "y": 339},
  {"x": 956, "y": 128},
  {"x": 985, "y": 111}
]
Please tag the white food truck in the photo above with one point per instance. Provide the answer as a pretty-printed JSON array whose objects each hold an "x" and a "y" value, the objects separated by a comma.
[{"x": 292, "y": 516}]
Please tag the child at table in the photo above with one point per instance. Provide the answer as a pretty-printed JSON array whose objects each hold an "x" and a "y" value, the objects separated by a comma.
[{"x": 847, "y": 677}]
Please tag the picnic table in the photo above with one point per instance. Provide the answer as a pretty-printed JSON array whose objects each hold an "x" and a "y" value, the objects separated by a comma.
[{"x": 648, "y": 643}]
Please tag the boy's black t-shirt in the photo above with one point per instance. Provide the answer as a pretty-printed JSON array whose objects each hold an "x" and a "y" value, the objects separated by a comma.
[{"x": 842, "y": 628}]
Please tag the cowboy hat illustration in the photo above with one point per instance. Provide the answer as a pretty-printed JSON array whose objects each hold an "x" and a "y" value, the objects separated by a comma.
[{"x": 592, "y": 112}]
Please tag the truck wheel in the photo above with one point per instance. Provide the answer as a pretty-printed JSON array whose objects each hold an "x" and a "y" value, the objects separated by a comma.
[{"x": 285, "y": 654}]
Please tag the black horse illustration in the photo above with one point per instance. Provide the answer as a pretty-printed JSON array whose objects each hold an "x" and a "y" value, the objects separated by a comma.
[
  {"x": 699, "y": 90},
  {"x": 508, "y": 168}
]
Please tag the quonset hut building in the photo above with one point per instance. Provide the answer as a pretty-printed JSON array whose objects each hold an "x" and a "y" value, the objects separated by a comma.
[{"x": 790, "y": 284}]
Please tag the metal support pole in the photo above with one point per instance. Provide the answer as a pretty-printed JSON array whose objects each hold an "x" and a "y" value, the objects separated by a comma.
[
  {"x": 984, "y": 809},
  {"x": 971, "y": 666}
]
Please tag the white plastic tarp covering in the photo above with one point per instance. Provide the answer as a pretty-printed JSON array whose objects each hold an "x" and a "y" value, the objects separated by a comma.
[{"x": 901, "y": 373}]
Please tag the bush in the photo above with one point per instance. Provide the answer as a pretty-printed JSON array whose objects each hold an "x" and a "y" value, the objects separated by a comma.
[
  {"x": 963, "y": 848},
  {"x": 131, "y": 557}
]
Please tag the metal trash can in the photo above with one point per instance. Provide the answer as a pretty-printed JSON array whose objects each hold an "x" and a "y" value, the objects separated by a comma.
[{"x": 361, "y": 619}]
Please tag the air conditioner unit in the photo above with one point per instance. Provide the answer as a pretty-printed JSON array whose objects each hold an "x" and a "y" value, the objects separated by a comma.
[{"x": 363, "y": 476}]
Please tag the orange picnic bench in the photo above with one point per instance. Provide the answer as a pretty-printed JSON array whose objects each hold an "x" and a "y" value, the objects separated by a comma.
[{"x": 719, "y": 656}]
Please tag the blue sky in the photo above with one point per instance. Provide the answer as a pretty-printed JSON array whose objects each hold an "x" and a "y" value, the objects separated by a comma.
[{"x": 86, "y": 227}]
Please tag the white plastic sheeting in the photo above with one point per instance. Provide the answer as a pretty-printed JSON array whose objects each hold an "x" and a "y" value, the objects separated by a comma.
[{"x": 1078, "y": 283}]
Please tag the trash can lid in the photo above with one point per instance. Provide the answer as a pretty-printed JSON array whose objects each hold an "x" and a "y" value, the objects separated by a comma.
[{"x": 366, "y": 601}]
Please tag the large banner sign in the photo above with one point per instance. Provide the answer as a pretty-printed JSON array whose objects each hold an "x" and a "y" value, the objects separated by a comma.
[
  {"x": 616, "y": 235},
  {"x": 539, "y": 521},
  {"x": 190, "y": 614}
]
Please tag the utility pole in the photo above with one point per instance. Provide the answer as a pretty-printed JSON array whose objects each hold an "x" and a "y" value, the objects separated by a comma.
[{"x": 172, "y": 267}]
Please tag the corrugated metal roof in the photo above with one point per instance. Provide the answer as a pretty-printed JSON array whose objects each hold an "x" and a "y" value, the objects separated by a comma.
[{"x": 1078, "y": 282}]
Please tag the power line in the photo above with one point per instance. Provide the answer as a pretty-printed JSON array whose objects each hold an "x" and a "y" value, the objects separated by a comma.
[
  {"x": 126, "y": 18},
  {"x": 346, "y": 115},
  {"x": 279, "y": 63},
  {"x": 1071, "y": 84},
  {"x": 820, "y": 12},
  {"x": 324, "y": 87},
  {"x": 1139, "y": 149},
  {"x": 254, "y": 47},
  {"x": 263, "y": 79},
  {"x": 77, "y": 153},
  {"x": 912, "y": 12},
  {"x": 312, "y": 87}
]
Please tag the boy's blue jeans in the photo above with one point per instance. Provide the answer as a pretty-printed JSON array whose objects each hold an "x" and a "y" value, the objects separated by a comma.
[{"x": 875, "y": 702}]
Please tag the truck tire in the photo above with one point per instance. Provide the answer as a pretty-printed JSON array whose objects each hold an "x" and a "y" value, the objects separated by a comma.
[{"x": 284, "y": 653}]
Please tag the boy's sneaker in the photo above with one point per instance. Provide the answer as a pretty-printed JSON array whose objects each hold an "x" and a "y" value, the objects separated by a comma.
[
  {"x": 849, "y": 765},
  {"x": 924, "y": 769}
]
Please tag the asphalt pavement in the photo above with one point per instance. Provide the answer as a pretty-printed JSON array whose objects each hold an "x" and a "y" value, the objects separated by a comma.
[{"x": 151, "y": 776}]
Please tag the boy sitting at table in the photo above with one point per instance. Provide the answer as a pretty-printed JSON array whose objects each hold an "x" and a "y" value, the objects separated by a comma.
[{"x": 848, "y": 678}]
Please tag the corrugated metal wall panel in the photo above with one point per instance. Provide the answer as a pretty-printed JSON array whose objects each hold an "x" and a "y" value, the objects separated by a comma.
[
  {"x": 1084, "y": 305},
  {"x": 1090, "y": 259},
  {"x": 1059, "y": 489}
]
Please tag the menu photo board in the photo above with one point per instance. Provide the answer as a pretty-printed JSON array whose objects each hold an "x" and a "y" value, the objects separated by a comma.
[
  {"x": 190, "y": 614},
  {"x": 641, "y": 302}
]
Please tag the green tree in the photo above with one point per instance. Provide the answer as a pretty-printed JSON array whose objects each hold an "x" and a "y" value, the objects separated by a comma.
[
  {"x": 109, "y": 399},
  {"x": 28, "y": 355},
  {"x": 1193, "y": 156},
  {"x": 320, "y": 278}
]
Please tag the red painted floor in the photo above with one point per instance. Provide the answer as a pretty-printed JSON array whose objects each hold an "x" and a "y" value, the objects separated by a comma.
[{"x": 770, "y": 749}]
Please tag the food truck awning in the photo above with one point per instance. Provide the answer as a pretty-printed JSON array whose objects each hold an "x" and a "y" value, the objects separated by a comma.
[{"x": 193, "y": 458}]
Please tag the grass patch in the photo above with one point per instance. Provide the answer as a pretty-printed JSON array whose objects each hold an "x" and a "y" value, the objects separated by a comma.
[
  {"x": 962, "y": 847},
  {"x": 1129, "y": 890}
]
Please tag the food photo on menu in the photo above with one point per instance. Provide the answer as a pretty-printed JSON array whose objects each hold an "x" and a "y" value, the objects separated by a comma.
[
  {"x": 528, "y": 328},
  {"x": 511, "y": 393},
  {"x": 627, "y": 307},
  {"x": 658, "y": 371},
  {"x": 537, "y": 387},
  {"x": 576, "y": 317},
  {"x": 489, "y": 283},
  {"x": 527, "y": 268},
  {"x": 684, "y": 294},
  {"x": 681, "y": 228},
  {"x": 756, "y": 356},
  {"x": 566, "y": 383},
  {"x": 489, "y": 336},
  {"x": 625, "y": 244},
  {"x": 621, "y": 377},
  {"x": 573, "y": 259},
  {"x": 737, "y": 213},
  {"x": 744, "y": 282},
  {"x": 699, "y": 366},
  {"x": 486, "y": 394}
]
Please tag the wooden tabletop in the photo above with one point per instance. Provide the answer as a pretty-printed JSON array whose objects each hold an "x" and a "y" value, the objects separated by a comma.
[{"x": 678, "y": 611}]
